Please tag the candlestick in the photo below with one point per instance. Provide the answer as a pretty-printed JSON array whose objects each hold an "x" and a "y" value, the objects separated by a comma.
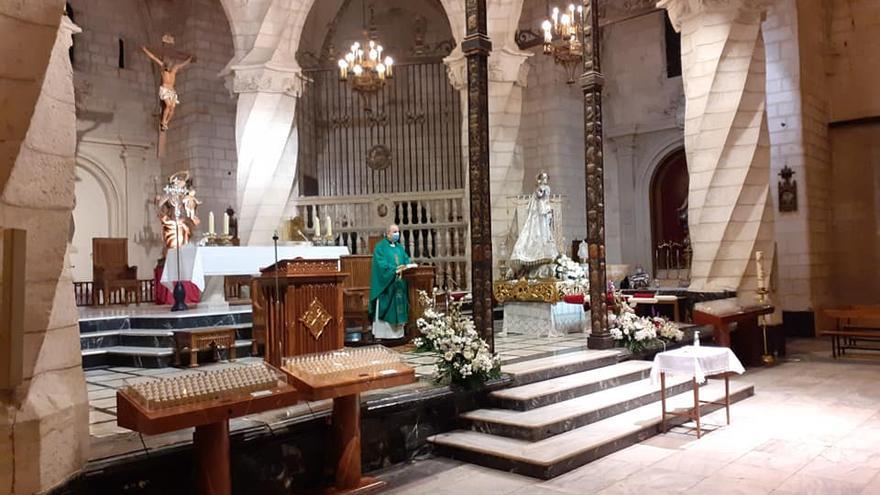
[
  {"x": 211, "y": 223},
  {"x": 225, "y": 223},
  {"x": 317, "y": 223},
  {"x": 759, "y": 255},
  {"x": 329, "y": 227}
]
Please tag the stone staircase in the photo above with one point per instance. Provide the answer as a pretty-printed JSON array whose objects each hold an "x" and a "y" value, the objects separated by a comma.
[
  {"x": 566, "y": 411},
  {"x": 148, "y": 342}
]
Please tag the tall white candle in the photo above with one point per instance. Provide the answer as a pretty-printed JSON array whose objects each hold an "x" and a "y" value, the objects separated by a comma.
[
  {"x": 225, "y": 223},
  {"x": 211, "y": 223},
  {"x": 759, "y": 256},
  {"x": 317, "y": 222},
  {"x": 329, "y": 227}
]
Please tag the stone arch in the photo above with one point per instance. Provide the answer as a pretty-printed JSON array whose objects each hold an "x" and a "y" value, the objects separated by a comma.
[
  {"x": 668, "y": 192},
  {"x": 115, "y": 200},
  {"x": 643, "y": 194}
]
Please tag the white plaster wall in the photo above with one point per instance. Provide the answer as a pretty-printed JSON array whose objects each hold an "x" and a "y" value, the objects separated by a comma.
[{"x": 91, "y": 217}]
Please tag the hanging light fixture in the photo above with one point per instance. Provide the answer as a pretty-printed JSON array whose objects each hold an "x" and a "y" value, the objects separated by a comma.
[
  {"x": 365, "y": 65},
  {"x": 563, "y": 33}
]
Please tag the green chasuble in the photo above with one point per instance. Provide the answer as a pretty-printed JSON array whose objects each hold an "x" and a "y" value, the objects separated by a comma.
[{"x": 385, "y": 286}]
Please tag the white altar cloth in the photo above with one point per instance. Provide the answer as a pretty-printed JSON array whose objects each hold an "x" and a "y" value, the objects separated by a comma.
[
  {"x": 698, "y": 362},
  {"x": 198, "y": 262},
  {"x": 543, "y": 319}
]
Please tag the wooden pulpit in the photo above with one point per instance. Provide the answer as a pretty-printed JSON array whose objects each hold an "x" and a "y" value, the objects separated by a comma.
[
  {"x": 747, "y": 340},
  {"x": 302, "y": 307},
  {"x": 420, "y": 278}
]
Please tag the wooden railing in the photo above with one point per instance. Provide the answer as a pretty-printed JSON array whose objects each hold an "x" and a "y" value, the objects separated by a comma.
[
  {"x": 84, "y": 293},
  {"x": 433, "y": 226}
]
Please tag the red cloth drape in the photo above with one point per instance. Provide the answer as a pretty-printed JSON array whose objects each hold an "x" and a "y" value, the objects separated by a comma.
[{"x": 165, "y": 296}]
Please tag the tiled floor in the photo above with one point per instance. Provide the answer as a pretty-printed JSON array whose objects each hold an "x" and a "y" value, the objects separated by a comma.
[
  {"x": 102, "y": 385},
  {"x": 813, "y": 427}
]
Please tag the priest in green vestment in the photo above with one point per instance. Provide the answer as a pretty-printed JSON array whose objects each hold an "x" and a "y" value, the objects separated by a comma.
[{"x": 389, "y": 305}]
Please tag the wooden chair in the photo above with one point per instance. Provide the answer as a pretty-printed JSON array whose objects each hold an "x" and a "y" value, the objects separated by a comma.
[
  {"x": 232, "y": 289},
  {"x": 372, "y": 241},
  {"x": 356, "y": 289},
  {"x": 110, "y": 270}
]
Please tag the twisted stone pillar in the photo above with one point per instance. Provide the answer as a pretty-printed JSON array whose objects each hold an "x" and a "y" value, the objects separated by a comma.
[
  {"x": 266, "y": 139},
  {"x": 726, "y": 141}
]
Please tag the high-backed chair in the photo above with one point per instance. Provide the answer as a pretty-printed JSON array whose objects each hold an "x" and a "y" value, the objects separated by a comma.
[
  {"x": 356, "y": 289},
  {"x": 110, "y": 270}
]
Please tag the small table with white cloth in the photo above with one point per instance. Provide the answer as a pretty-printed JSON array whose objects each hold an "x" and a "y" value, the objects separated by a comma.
[
  {"x": 198, "y": 262},
  {"x": 699, "y": 363}
]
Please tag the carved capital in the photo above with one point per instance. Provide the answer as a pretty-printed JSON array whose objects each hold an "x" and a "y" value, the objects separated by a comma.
[
  {"x": 506, "y": 65},
  {"x": 681, "y": 10},
  {"x": 265, "y": 79},
  {"x": 456, "y": 70}
]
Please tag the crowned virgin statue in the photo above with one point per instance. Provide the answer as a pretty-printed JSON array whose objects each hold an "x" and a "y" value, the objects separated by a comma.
[{"x": 535, "y": 250}]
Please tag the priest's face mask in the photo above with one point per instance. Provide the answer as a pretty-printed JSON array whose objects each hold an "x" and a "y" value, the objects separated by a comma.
[{"x": 393, "y": 233}]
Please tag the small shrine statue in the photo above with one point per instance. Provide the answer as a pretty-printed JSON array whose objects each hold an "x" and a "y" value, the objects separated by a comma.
[
  {"x": 535, "y": 250},
  {"x": 177, "y": 210},
  {"x": 167, "y": 93}
]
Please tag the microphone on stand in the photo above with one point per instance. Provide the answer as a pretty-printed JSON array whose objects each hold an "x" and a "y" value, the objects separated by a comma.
[{"x": 277, "y": 306}]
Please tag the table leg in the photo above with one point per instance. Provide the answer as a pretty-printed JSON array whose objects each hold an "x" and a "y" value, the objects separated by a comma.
[
  {"x": 193, "y": 356},
  {"x": 727, "y": 396},
  {"x": 697, "y": 405},
  {"x": 347, "y": 435},
  {"x": 663, "y": 401},
  {"x": 211, "y": 447},
  {"x": 232, "y": 348}
]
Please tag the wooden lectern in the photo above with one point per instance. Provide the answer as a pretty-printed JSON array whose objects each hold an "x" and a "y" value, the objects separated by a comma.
[
  {"x": 302, "y": 307},
  {"x": 420, "y": 278},
  {"x": 747, "y": 341}
]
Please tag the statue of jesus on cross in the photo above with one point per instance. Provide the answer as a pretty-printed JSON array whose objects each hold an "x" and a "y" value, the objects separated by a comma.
[{"x": 167, "y": 94}]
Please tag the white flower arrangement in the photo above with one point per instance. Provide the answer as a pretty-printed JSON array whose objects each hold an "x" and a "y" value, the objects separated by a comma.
[
  {"x": 638, "y": 332},
  {"x": 462, "y": 356},
  {"x": 567, "y": 269}
]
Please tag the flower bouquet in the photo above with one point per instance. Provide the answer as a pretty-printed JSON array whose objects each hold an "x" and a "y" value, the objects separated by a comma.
[
  {"x": 635, "y": 332},
  {"x": 463, "y": 357}
]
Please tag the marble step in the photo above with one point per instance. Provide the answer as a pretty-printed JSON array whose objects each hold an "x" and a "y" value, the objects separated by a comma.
[
  {"x": 149, "y": 357},
  {"x": 539, "y": 394},
  {"x": 544, "y": 422},
  {"x": 547, "y": 368},
  {"x": 139, "y": 337},
  {"x": 562, "y": 453}
]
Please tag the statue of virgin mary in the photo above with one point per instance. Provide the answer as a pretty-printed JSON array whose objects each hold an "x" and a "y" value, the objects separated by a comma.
[{"x": 535, "y": 249}]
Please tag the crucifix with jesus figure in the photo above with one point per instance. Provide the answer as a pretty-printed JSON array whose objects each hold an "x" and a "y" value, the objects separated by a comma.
[{"x": 170, "y": 62}]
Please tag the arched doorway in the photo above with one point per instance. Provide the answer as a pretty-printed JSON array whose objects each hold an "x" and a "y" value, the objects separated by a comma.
[
  {"x": 669, "y": 236},
  {"x": 91, "y": 201}
]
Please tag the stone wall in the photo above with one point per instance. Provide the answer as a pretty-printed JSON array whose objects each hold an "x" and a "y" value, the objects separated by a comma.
[
  {"x": 117, "y": 124},
  {"x": 552, "y": 130},
  {"x": 201, "y": 138},
  {"x": 116, "y": 135},
  {"x": 43, "y": 420}
]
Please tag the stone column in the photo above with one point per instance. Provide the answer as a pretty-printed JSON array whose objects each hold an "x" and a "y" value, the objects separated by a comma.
[
  {"x": 476, "y": 47},
  {"x": 44, "y": 419},
  {"x": 266, "y": 138},
  {"x": 726, "y": 141}
]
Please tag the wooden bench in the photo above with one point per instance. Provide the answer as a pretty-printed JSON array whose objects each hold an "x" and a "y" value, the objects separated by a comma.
[
  {"x": 854, "y": 324},
  {"x": 201, "y": 340}
]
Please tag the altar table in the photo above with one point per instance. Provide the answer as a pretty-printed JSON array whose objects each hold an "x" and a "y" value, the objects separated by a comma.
[
  {"x": 699, "y": 363},
  {"x": 198, "y": 262}
]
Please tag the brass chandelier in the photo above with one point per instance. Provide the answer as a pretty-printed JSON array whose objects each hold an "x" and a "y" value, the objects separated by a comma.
[
  {"x": 364, "y": 64},
  {"x": 563, "y": 33}
]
